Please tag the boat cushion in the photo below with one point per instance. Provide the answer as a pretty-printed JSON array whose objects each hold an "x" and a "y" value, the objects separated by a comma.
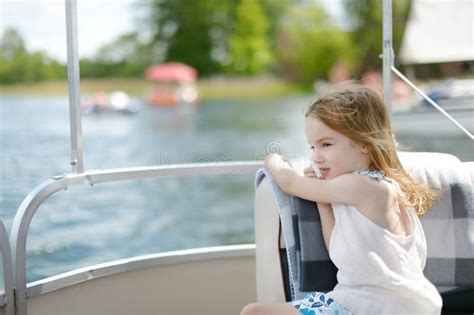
[
  {"x": 307, "y": 260},
  {"x": 449, "y": 225}
]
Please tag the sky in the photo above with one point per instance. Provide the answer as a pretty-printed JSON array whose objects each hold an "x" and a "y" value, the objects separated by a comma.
[{"x": 42, "y": 23}]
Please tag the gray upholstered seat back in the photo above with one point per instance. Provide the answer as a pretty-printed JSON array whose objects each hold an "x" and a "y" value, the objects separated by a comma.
[{"x": 449, "y": 225}]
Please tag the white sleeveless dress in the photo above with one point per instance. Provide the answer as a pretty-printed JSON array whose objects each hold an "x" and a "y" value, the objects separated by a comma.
[{"x": 380, "y": 272}]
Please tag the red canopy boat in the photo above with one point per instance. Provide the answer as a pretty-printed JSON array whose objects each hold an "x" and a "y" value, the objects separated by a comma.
[
  {"x": 176, "y": 84},
  {"x": 171, "y": 71}
]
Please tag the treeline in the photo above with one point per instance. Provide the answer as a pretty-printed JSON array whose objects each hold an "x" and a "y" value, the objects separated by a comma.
[
  {"x": 19, "y": 65},
  {"x": 295, "y": 39}
]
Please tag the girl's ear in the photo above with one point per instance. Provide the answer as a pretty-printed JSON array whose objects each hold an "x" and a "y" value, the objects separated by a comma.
[{"x": 364, "y": 149}]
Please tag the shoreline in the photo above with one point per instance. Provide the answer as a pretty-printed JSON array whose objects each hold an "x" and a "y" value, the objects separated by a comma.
[{"x": 209, "y": 88}]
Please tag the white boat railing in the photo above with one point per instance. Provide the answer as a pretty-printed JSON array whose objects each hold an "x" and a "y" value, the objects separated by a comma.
[
  {"x": 33, "y": 201},
  {"x": 7, "y": 298}
]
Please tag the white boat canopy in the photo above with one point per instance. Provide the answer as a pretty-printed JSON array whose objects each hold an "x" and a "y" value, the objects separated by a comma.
[{"x": 439, "y": 31}]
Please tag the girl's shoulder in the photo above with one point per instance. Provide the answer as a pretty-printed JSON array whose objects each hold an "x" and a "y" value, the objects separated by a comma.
[
  {"x": 386, "y": 206},
  {"x": 378, "y": 189},
  {"x": 359, "y": 190}
]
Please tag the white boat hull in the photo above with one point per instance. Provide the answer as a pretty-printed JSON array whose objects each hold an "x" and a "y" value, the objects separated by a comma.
[
  {"x": 432, "y": 122},
  {"x": 219, "y": 280}
]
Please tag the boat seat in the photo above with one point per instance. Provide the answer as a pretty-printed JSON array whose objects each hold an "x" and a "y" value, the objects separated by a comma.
[{"x": 448, "y": 226}]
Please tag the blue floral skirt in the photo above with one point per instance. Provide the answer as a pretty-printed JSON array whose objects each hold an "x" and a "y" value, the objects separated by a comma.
[{"x": 318, "y": 303}]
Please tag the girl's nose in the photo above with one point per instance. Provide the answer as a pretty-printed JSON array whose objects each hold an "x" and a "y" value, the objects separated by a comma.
[{"x": 316, "y": 156}]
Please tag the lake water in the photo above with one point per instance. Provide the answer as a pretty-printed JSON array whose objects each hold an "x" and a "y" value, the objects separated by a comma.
[{"x": 88, "y": 225}]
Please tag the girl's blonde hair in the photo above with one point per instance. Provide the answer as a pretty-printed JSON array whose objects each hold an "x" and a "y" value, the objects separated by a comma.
[{"x": 359, "y": 113}]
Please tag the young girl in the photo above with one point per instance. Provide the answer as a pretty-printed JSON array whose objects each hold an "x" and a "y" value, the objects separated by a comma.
[{"x": 368, "y": 206}]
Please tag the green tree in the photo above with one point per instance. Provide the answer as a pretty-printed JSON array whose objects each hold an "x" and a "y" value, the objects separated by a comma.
[
  {"x": 12, "y": 44},
  {"x": 37, "y": 67},
  {"x": 249, "y": 44},
  {"x": 276, "y": 12},
  {"x": 365, "y": 17},
  {"x": 310, "y": 44},
  {"x": 193, "y": 32},
  {"x": 19, "y": 65},
  {"x": 12, "y": 57},
  {"x": 125, "y": 56}
]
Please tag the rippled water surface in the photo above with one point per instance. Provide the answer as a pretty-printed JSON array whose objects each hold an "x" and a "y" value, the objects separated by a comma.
[{"x": 87, "y": 225}]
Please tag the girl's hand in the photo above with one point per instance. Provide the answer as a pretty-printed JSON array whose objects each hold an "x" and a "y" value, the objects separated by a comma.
[
  {"x": 281, "y": 171},
  {"x": 275, "y": 162},
  {"x": 309, "y": 172}
]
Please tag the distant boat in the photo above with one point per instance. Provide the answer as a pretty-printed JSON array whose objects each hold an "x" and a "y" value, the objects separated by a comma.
[
  {"x": 175, "y": 84},
  {"x": 452, "y": 93},
  {"x": 114, "y": 102}
]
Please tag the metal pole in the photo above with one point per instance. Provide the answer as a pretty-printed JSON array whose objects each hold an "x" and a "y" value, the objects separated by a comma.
[
  {"x": 77, "y": 162},
  {"x": 7, "y": 271},
  {"x": 387, "y": 55}
]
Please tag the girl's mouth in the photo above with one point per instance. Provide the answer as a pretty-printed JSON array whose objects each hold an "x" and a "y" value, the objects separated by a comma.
[{"x": 325, "y": 171}]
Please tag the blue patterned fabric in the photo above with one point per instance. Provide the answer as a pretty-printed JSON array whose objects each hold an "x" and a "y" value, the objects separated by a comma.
[
  {"x": 318, "y": 303},
  {"x": 379, "y": 175}
]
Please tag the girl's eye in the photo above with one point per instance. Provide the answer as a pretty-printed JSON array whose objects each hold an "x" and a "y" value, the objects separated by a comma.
[
  {"x": 326, "y": 145},
  {"x": 311, "y": 147}
]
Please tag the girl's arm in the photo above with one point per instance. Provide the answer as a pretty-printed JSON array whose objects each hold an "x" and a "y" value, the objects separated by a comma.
[
  {"x": 327, "y": 221},
  {"x": 326, "y": 213},
  {"x": 346, "y": 188}
]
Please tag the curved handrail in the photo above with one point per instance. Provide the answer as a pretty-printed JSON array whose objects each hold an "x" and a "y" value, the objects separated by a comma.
[
  {"x": 7, "y": 270},
  {"x": 33, "y": 201}
]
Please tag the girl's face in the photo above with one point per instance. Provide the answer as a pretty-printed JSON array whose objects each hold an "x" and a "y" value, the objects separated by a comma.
[{"x": 334, "y": 153}]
